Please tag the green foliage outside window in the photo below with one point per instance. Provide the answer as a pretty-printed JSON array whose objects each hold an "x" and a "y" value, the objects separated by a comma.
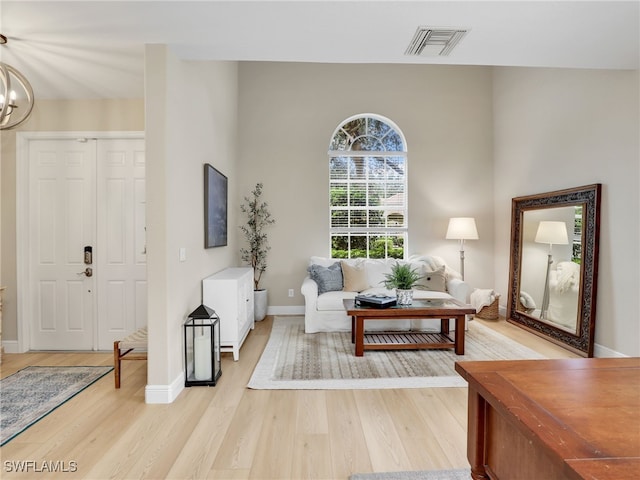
[{"x": 379, "y": 247}]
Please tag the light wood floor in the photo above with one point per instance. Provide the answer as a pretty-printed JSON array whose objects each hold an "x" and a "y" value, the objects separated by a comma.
[{"x": 231, "y": 432}]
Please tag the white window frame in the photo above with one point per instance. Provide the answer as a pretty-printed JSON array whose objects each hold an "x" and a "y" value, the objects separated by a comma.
[{"x": 346, "y": 151}]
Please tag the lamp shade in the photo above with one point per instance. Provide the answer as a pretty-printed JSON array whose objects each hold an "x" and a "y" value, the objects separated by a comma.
[
  {"x": 462, "y": 228},
  {"x": 552, "y": 233}
]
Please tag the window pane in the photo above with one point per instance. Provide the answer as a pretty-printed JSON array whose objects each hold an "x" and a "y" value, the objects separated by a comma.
[
  {"x": 339, "y": 218},
  {"x": 377, "y": 218},
  {"x": 338, "y": 168},
  {"x": 376, "y": 193},
  {"x": 358, "y": 195},
  {"x": 358, "y": 168},
  {"x": 358, "y": 246},
  {"x": 395, "y": 219},
  {"x": 358, "y": 218},
  {"x": 377, "y": 128},
  {"x": 377, "y": 247},
  {"x": 340, "y": 141},
  {"x": 395, "y": 247},
  {"x": 395, "y": 168},
  {"x": 356, "y": 128},
  {"x": 339, "y": 246},
  {"x": 367, "y": 144},
  {"x": 393, "y": 142},
  {"x": 338, "y": 194},
  {"x": 395, "y": 194},
  {"x": 377, "y": 168}
]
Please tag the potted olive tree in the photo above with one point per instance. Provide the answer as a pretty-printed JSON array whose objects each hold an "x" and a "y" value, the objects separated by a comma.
[
  {"x": 257, "y": 218},
  {"x": 403, "y": 278}
]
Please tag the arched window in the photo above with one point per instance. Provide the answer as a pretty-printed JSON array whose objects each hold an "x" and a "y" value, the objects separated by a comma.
[{"x": 368, "y": 189}]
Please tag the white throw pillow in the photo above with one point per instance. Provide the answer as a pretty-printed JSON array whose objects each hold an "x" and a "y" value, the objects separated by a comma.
[
  {"x": 354, "y": 276},
  {"x": 434, "y": 281},
  {"x": 376, "y": 269}
]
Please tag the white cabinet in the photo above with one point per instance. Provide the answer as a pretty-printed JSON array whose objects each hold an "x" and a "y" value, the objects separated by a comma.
[{"x": 230, "y": 293}]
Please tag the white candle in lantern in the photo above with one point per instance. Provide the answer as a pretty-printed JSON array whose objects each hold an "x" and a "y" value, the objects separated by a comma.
[{"x": 202, "y": 358}]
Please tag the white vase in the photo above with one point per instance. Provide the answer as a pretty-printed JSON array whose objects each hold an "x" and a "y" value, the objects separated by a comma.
[
  {"x": 259, "y": 304},
  {"x": 404, "y": 297}
]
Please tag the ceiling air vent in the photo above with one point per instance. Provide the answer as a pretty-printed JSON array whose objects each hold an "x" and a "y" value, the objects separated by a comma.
[{"x": 432, "y": 41}]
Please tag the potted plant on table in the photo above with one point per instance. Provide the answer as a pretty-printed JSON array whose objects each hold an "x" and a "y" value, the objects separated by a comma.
[
  {"x": 403, "y": 278},
  {"x": 258, "y": 218}
]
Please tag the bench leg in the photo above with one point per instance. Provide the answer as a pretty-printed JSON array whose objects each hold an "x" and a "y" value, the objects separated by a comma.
[{"x": 116, "y": 363}]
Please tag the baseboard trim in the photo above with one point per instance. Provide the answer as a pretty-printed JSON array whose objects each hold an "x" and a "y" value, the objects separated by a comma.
[
  {"x": 599, "y": 351},
  {"x": 285, "y": 310},
  {"x": 162, "y": 394},
  {"x": 10, "y": 346}
]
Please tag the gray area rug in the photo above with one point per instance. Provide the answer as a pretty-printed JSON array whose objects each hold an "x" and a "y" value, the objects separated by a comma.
[
  {"x": 459, "y": 474},
  {"x": 33, "y": 392},
  {"x": 295, "y": 360}
]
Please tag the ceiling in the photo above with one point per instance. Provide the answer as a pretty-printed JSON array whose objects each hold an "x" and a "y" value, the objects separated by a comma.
[{"x": 85, "y": 49}]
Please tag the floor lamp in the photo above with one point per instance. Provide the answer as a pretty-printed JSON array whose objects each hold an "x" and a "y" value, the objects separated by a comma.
[
  {"x": 551, "y": 233},
  {"x": 462, "y": 228}
]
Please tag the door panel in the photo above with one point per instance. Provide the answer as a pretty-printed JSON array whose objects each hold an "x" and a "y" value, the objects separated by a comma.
[
  {"x": 61, "y": 222},
  {"x": 121, "y": 258}
]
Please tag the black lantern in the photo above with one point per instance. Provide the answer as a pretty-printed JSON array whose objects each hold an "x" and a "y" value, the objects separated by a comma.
[{"x": 202, "y": 348}]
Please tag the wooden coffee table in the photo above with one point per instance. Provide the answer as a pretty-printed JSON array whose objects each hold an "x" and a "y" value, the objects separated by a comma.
[{"x": 443, "y": 308}]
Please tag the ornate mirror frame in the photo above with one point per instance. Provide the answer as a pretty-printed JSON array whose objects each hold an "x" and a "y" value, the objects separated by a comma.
[{"x": 581, "y": 341}]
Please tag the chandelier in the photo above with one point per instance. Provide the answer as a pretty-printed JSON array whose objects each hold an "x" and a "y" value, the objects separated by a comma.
[{"x": 16, "y": 95}]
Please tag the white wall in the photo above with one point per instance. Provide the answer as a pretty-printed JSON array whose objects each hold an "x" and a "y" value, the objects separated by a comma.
[
  {"x": 288, "y": 112},
  {"x": 559, "y": 128},
  {"x": 191, "y": 112}
]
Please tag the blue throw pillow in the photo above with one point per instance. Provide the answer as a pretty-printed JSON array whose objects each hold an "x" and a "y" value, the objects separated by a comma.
[{"x": 329, "y": 279}]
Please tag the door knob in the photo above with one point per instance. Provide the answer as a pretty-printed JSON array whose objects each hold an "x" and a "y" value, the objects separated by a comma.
[{"x": 87, "y": 271}]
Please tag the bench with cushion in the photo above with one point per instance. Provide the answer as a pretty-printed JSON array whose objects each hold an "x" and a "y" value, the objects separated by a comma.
[{"x": 133, "y": 347}]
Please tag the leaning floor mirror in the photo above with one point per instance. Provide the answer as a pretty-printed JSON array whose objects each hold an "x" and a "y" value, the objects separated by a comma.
[{"x": 554, "y": 265}]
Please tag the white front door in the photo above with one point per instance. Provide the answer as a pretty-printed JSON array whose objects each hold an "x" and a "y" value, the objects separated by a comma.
[
  {"x": 61, "y": 223},
  {"x": 85, "y": 196}
]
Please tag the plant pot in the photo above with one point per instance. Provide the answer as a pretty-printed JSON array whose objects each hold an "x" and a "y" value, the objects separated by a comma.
[
  {"x": 405, "y": 297},
  {"x": 259, "y": 304}
]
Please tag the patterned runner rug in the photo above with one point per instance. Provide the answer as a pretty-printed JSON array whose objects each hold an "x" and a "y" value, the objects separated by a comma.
[
  {"x": 295, "y": 360},
  {"x": 33, "y": 392}
]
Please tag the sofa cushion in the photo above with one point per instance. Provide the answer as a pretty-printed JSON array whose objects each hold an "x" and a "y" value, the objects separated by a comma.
[
  {"x": 434, "y": 281},
  {"x": 333, "y": 301},
  {"x": 429, "y": 295},
  {"x": 329, "y": 279},
  {"x": 354, "y": 276}
]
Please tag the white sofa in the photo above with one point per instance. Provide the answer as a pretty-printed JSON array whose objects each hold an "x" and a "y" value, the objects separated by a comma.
[{"x": 325, "y": 312}]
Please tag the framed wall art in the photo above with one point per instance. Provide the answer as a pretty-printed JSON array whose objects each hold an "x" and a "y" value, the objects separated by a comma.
[{"x": 215, "y": 207}]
